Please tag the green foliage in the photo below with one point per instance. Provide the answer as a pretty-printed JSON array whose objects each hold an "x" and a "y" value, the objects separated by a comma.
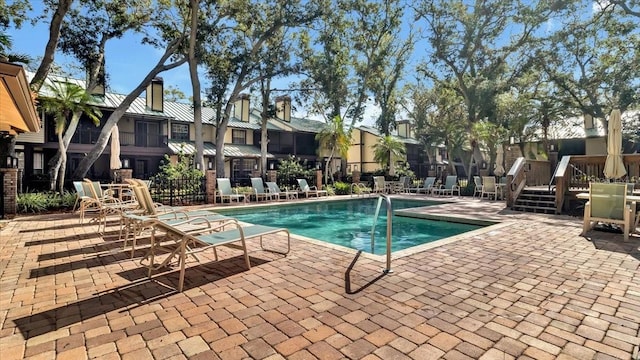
[
  {"x": 468, "y": 189},
  {"x": 37, "y": 202},
  {"x": 180, "y": 169},
  {"x": 388, "y": 148},
  {"x": 341, "y": 188},
  {"x": 404, "y": 169},
  {"x": 291, "y": 169}
]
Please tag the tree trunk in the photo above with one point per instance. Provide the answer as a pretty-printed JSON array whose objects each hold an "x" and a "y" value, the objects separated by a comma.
[
  {"x": 195, "y": 84},
  {"x": 63, "y": 163},
  {"x": 52, "y": 44},
  {"x": 113, "y": 119},
  {"x": 56, "y": 161}
]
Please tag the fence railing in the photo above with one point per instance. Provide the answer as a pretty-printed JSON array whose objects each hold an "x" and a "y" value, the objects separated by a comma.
[{"x": 178, "y": 192}]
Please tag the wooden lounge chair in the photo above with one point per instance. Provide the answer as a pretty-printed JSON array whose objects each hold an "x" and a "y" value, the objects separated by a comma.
[
  {"x": 184, "y": 244},
  {"x": 310, "y": 190},
  {"x": 226, "y": 192},
  {"x": 450, "y": 187},
  {"x": 608, "y": 204}
]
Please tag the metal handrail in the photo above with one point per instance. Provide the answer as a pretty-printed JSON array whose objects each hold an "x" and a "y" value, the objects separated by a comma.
[{"x": 387, "y": 270}]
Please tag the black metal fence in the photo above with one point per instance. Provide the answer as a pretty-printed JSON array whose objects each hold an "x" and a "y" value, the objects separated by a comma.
[{"x": 178, "y": 192}]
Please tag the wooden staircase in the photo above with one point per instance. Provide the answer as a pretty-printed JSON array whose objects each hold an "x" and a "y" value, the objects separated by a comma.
[{"x": 536, "y": 200}]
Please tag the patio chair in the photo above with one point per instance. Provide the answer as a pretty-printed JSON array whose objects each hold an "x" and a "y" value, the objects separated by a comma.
[
  {"x": 450, "y": 186},
  {"x": 489, "y": 187},
  {"x": 477, "y": 186},
  {"x": 379, "y": 185},
  {"x": 106, "y": 204},
  {"x": 608, "y": 204},
  {"x": 226, "y": 192},
  {"x": 278, "y": 194},
  {"x": 84, "y": 201},
  {"x": 259, "y": 191},
  {"x": 184, "y": 244},
  {"x": 310, "y": 190},
  {"x": 426, "y": 187},
  {"x": 135, "y": 222}
]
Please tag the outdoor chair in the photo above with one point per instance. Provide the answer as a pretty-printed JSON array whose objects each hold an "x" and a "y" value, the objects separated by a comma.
[
  {"x": 183, "y": 244},
  {"x": 278, "y": 194},
  {"x": 360, "y": 189},
  {"x": 310, "y": 190},
  {"x": 138, "y": 221},
  {"x": 226, "y": 192},
  {"x": 426, "y": 187},
  {"x": 450, "y": 186},
  {"x": 489, "y": 187},
  {"x": 259, "y": 191},
  {"x": 379, "y": 184},
  {"x": 84, "y": 201},
  {"x": 477, "y": 186},
  {"x": 106, "y": 204},
  {"x": 608, "y": 204}
]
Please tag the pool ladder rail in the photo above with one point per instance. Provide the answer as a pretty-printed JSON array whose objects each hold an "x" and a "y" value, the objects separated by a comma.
[{"x": 387, "y": 270}]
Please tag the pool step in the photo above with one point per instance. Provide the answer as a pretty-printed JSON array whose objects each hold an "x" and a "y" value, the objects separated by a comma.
[{"x": 536, "y": 201}]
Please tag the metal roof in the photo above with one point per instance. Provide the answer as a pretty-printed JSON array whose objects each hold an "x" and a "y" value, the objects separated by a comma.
[
  {"x": 230, "y": 150},
  {"x": 376, "y": 132}
]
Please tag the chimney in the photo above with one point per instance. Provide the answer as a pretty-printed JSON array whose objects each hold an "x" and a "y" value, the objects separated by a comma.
[
  {"x": 155, "y": 95},
  {"x": 404, "y": 129},
  {"x": 241, "y": 108},
  {"x": 283, "y": 108}
]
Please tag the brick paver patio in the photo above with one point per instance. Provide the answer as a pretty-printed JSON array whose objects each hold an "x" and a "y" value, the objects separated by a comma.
[{"x": 528, "y": 288}]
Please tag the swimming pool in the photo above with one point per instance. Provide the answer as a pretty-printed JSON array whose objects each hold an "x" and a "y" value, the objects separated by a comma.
[{"x": 348, "y": 223}]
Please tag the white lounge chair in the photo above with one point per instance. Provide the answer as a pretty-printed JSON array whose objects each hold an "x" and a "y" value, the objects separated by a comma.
[
  {"x": 450, "y": 186},
  {"x": 259, "y": 191},
  {"x": 274, "y": 189},
  {"x": 226, "y": 192},
  {"x": 426, "y": 187},
  {"x": 310, "y": 190}
]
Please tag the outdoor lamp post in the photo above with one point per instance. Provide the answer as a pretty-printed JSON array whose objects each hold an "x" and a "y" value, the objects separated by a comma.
[
  {"x": 125, "y": 163},
  {"x": 14, "y": 163},
  {"x": 210, "y": 165},
  {"x": 9, "y": 161}
]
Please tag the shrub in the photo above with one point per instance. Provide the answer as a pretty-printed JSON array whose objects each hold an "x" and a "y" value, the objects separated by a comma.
[
  {"x": 291, "y": 169},
  {"x": 341, "y": 188},
  {"x": 37, "y": 202}
]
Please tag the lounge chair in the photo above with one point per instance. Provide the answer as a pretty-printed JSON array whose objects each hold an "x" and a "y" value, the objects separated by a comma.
[
  {"x": 274, "y": 189},
  {"x": 84, "y": 201},
  {"x": 226, "y": 192},
  {"x": 138, "y": 221},
  {"x": 184, "y": 244},
  {"x": 379, "y": 185},
  {"x": 489, "y": 187},
  {"x": 450, "y": 187},
  {"x": 608, "y": 203},
  {"x": 310, "y": 190},
  {"x": 259, "y": 191},
  {"x": 427, "y": 186},
  {"x": 477, "y": 186},
  {"x": 107, "y": 204},
  {"x": 360, "y": 189}
]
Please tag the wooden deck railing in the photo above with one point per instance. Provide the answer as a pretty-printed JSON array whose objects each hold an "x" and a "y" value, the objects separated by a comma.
[
  {"x": 516, "y": 180},
  {"x": 575, "y": 172}
]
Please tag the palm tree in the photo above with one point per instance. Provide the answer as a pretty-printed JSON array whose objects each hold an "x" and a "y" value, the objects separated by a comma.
[
  {"x": 386, "y": 149},
  {"x": 66, "y": 98},
  {"x": 334, "y": 137}
]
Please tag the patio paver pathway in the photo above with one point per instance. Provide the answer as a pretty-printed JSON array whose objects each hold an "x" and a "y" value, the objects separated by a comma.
[{"x": 532, "y": 289}]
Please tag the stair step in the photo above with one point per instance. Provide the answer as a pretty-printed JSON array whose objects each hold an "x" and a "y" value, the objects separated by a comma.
[{"x": 534, "y": 209}]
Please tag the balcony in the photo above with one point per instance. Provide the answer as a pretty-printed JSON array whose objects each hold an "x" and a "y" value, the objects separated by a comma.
[{"x": 126, "y": 138}]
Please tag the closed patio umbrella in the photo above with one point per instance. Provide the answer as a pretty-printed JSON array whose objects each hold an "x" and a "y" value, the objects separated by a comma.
[
  {"x": 499, "y": 168},
  {"x": 114, "y": 160},
  {"x": 614, "y": 167}
]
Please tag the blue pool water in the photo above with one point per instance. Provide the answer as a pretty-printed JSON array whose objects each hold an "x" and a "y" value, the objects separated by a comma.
[{"x": 348, "y": 223}]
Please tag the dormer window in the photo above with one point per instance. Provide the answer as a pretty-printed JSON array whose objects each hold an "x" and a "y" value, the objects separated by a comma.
[{"x": 180, "y": 131}]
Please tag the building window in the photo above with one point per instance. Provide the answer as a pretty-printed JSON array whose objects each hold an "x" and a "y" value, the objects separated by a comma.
[
  {"x": 238, "y": 136},
  {"x": 38, "y": 163},
  {"x": 180, "y": 131}
]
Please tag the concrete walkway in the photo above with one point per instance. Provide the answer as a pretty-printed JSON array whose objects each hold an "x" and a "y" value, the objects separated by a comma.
[{"x": 531, "y": 287}]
